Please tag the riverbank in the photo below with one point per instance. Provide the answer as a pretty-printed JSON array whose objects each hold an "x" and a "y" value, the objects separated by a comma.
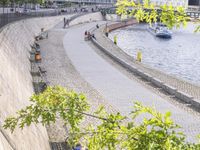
[
  {"x": 119, "y": 90},
  {"x": 73, "y": 63},
  {"x": 189, "y": 89}
]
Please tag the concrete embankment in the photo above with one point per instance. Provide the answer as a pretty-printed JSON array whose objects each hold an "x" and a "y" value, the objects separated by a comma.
[
  {"x": 180, "y": 89},
  {"x": 16, "y": 81},
  {"x": 115, "y": 87}
]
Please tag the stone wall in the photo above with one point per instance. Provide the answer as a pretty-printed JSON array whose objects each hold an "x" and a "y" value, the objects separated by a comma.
[{"x": 16, "y": 81}]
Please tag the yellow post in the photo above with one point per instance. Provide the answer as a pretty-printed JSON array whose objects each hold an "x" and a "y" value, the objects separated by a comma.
[
  {"x": 115, "y": 39},
  {"x": 139, "y": 56}
]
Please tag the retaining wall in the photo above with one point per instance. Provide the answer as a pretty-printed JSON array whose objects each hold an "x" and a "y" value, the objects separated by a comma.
[{"x": 16, "y": 81}]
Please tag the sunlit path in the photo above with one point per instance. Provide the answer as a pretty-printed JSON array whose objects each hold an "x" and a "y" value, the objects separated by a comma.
[{"x": 119, "y": 90}]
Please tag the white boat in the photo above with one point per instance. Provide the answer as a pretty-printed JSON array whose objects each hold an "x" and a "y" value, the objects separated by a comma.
[{"x": 160, "y": 30}]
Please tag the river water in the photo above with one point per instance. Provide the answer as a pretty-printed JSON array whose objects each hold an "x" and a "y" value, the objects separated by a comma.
[{"x": 178, "y": 56}]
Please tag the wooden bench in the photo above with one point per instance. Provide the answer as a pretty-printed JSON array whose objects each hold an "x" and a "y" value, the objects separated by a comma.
[
  {"x": 40, "y": 81},
  {"x": 42, "y": 35}
]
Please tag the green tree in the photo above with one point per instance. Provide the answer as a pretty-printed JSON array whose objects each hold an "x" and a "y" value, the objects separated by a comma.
[
  {"x": 113, "y": 131},
  {"x": 169, "y": 15},
  {"x": 3, "y": 3}
]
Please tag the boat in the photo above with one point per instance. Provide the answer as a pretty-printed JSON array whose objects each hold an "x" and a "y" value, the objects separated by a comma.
[{"x": 160, "y": 30}]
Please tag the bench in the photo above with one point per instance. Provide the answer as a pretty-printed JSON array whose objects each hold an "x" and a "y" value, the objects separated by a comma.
[
  {"x": 40, "y": 82},
  {"x": 41, "y": 36},
  {"x": 35, "y": 48}
]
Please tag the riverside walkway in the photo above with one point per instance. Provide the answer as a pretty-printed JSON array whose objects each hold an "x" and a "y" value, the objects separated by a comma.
[{"x": 119, "y": 90}]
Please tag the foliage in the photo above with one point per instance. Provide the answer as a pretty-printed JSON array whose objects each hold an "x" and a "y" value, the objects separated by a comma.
[
  {"x": 197, "y": 28},
  {"x": 45, "y": 107},
  {"x": 156, "y": 132},
  {"x": 147, "y": 129},
  {"x": 148, "y": 12},
  {"x": 4, "y": 2}
]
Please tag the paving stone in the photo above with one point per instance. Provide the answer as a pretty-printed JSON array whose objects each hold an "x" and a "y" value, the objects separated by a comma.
[{"x": 117, "y": 89}]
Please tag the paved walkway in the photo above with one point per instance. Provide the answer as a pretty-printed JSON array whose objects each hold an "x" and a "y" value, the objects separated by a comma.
[
  {"x": 60, "y": 71},
  {"x": 117, "y": 89}
]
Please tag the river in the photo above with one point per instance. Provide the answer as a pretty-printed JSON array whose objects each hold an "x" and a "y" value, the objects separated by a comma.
[{"x": 178, "y": 56}]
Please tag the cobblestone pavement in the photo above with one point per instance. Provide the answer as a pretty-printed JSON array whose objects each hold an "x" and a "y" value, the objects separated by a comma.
[
  {"x": 60, "y": 71},
  {"x": 118, "y": 89},
  {"x": 181, "y": 85}
]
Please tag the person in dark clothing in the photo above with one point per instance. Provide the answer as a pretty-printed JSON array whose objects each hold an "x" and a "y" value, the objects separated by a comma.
[
  {"x": 86, "y": 32},
  {"x": 64, "y": 22},
  {"x": 93, "y": 36}
]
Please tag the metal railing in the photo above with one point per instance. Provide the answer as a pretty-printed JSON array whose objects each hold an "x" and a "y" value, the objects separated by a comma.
[{"x": 7, "y": 18}]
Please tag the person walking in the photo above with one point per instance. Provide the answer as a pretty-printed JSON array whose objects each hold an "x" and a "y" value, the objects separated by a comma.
[
  {"x": 64, "y": 20},
  {"x": 107, "y": 31}
]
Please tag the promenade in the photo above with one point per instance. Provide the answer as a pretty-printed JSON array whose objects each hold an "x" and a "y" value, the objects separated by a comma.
[
  {"x": 72, "y": 62},
  {"x": 116, "y": 88},
  {"x": 61, "y": 71}
]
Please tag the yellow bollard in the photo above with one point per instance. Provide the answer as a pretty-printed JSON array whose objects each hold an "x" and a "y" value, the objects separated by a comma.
[
  {"x": 115, "y": 39},
  {"x": 139, "y": 56}
]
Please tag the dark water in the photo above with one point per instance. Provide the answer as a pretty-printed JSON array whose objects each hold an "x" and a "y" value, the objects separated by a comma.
[{"x": 179, "y": 56}]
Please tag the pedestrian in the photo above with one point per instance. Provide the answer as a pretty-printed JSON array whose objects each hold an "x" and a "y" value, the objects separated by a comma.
[
  {"x": 93, "y": 36},
  {"x": 97, "y": 26},
  {"x": 89, "y": 35},
  {"x": 107, "y": 31},
  {"x": 86, "y": 33},
  {"x": 64, "y": 22}
]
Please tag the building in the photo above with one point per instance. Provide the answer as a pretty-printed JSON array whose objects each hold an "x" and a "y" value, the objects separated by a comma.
[
  {"x": 174, "y": 3},
  {"x": 194, "y": 2},
  {"x": 87, "y": 1},
  {"x": 188, "y": 4}
]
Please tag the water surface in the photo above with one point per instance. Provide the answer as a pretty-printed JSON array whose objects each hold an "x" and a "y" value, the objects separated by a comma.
[{"x": 179, "y": 56}]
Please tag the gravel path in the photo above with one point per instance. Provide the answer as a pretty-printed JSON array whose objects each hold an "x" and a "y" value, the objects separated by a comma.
[{"x": 60, "y": 71}]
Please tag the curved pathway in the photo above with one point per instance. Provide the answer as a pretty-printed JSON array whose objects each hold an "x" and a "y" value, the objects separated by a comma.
[{"x": 115, "y": 87}]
